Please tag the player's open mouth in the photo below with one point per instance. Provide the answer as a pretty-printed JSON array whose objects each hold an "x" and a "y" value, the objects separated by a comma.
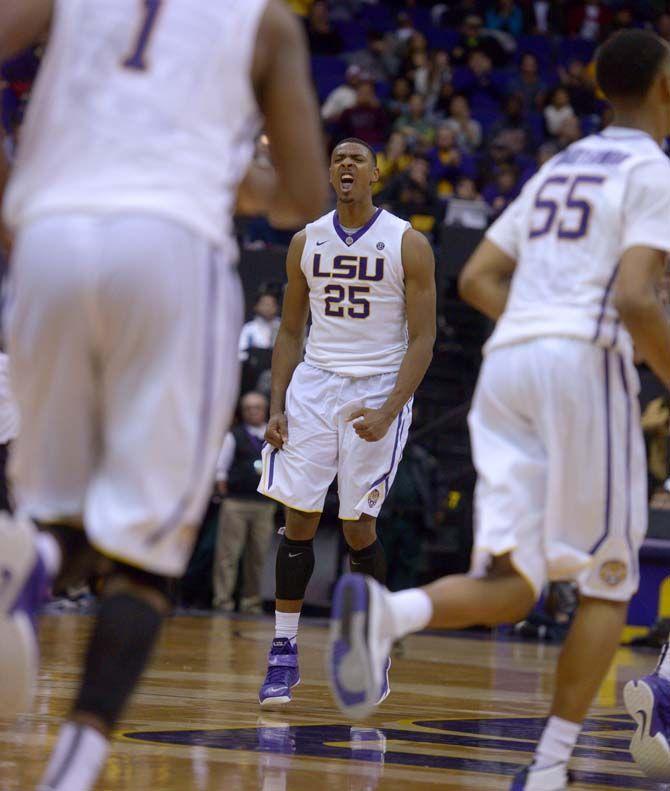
[{"x": 346, "y": 181}]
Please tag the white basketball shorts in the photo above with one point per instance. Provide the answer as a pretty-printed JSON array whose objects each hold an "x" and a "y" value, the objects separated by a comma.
[
  {"x": 122, "y": 333},
  {"x": 322, "y": 444},
  {"x": 557, "y": 443}
]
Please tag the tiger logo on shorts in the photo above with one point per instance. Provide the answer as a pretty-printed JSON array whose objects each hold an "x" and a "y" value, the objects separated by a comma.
[
  {"x": 613, "y": 572},
  {"x": 373, "y": 498}
]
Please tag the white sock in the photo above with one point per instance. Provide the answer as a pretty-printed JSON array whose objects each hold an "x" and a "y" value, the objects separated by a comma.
[
  {"x": 663, "y": 668},
  {"x": 557, "y": 743},
  {"x": 286, "y": 625},
  {"x": 50, "y": 552},
  {"x": 77, "y": 759},
  {"x": 411, "y": 611}
]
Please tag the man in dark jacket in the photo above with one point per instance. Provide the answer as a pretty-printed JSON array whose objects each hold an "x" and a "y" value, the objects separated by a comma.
[{"x": 246, "y": 519}]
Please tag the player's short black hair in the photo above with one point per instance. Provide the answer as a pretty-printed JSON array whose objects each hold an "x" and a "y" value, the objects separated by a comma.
[
  {"x": 371, "y": 151},
  {"x": 628, "y": 62}
]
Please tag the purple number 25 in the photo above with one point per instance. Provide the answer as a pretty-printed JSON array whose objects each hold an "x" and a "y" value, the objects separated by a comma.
[
  {"x": 572, "y": 210},
  {"x": 136, "y": 60}
]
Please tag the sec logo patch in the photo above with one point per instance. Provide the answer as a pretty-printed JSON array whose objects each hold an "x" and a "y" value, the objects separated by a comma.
[
  {"x": 373, "y": 498},
  {"x": 613, "y": 572}
]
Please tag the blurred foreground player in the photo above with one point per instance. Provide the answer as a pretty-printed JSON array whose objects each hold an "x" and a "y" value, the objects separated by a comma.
[
  {"x": 125, "y": 308},
  {"x": 570, "y": 270},
  {"x": 368, "y": 279}
]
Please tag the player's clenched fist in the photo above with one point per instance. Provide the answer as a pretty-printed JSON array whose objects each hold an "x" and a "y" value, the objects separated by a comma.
[
  {"x": 371, "y": 424},
  {"x": 277, "y": 431}
]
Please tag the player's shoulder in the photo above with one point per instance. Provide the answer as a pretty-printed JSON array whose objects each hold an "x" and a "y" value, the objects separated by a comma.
[
  {"x": 321, "y": 224},
  {"x": 392, "y": 219}
]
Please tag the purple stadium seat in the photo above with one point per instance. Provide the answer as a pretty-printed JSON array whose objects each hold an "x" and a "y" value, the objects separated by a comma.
[
  {"x": 353, "y": 34},
  {"x": 442, "y": 38},
  {"x": 576, "y": 49},
  {"x": 328, "y": 72}
]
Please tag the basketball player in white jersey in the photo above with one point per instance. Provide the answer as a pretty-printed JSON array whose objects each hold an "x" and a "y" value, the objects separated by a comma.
[
  {"x": 368, "y": 279},
  {"x": 125, "y": 308},
  {"x": 569, "y": 271}
]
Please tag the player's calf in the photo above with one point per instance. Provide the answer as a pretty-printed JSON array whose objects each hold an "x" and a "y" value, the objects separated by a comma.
[{"x": 123, "y": 638}]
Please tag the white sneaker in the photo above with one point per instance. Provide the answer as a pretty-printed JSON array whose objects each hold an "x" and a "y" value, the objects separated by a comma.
[
  {"x": 551, "y": 778},
  {"x": 359, "y": 646}
]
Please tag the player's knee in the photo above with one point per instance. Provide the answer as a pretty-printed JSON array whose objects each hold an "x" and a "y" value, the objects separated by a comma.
[
  {"x": 361, "y": 533},
  {"x": 152, "y": 589},
  {"x": 301, "y": 526}
]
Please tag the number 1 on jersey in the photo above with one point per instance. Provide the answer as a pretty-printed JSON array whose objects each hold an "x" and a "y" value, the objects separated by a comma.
[{"x": 136, "y": 61}]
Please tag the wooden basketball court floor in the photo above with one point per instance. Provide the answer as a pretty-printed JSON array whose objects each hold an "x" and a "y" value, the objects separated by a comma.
[{"x": 462, "y": 714}]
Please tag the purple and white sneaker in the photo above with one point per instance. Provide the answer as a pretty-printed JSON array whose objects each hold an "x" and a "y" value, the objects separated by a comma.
[
  {"x": 23, "y": 585},
  {"x": 283, "y": 673},
  {"x": 359, "y": 648},
  {"x": 551, "y": 778},
  {"x": 648, "y": 703}
]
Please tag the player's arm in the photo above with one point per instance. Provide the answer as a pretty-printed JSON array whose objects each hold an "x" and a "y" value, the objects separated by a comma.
[
  {"x": 637, "y": 301},
  {"x": 295, "y": 191},
  {"x": 22, "y": 23},
  {"x": 419, "y": 266},
  {"x": 288, "y": 348},
  {"x": 485, "y": 280}
]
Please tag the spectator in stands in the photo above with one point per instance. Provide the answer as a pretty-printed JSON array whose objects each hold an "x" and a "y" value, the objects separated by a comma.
[
  {"x": 468, "y": 130},
  {"x": 569, "y": 133},
  {"x": 528, "y": 84},
  {"x": 623, "y": 19},
  {"x": 478, "y": 82},
  {"x": 441, "y": 107},
  {"x": 377, "y": 59},
  {"x": 546, "y": 17},
  {"x": 466, "y": 189},
  {"x": 662, "y": 26},
  {"x": 344, "y": 96},
  {"x": 412, "y": 195},
  {"x": 398, "y": 104},
  {"x": 261, "y": 331},
  {"x": 589, "y": 20},
  {"x": 323, "y": 37},
  {"x": 557, "y": 111},
  {"x": 513, "y": 126},
  {"x": 417, "y": 71},
  {"x": 473, "y": 39},
  {"x": 506, "y": 17},
  {"x": 367, "y": 119},
  {"x": 439, "y": 74},
  {"x": 392, "y": 161},
  {"x": 416, "y": 126},
  {"x": 579, "y": 85},
  {"x": 502, "y": 190},
  {"x": 402, "y": 37},
  {"x": 445, "y": 161},
  {"x": 246, "y": 519}
]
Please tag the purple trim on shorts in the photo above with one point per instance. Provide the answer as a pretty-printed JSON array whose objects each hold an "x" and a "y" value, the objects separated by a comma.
[
  {"x": 603, "y": 305},
  {"x": 339, "y": 230},
  {"x": 175, "y": 519},
  {"x": 398, "y": 434},
  {"x": 608, "y": 456},
  {"x": 629, "y": 434},
  {"x": 271, "y": 471}
]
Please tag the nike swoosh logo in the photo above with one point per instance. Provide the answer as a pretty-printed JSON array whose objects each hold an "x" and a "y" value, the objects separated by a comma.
[
  {"x": 318, "y": 244},
  {"x": 275, "y": 689},
  {"x": 297, "y": 555}
]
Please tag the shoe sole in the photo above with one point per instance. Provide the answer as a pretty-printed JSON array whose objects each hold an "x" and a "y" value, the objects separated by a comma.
[
  {"x": 352, "y": 677},
  {"x": 18, "y": 643},
  {"x": 279, "y": 701},
  {"x": 387, "y": 685},
  {"x": 650, "y": 753}
]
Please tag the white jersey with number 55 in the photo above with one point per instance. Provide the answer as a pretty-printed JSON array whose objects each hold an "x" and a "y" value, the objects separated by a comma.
[
  {"x": 141, "y": 105},
  {"x": 568, "y": 230}
]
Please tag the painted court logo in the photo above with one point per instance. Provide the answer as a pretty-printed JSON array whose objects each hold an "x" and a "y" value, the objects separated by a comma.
[
  {"x": 373, "y": 498},
  {"x": 613, "y": 572}
]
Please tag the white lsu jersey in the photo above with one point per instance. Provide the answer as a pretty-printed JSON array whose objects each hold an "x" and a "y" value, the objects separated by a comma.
[
  {"x": 356, "y": 295},
  {"x": 141, "y": 106},
  {"x": 568, "y": 230}
]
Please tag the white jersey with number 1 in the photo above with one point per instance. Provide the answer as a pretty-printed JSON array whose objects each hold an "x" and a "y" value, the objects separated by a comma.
[{"x": 568, "y": 230}]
